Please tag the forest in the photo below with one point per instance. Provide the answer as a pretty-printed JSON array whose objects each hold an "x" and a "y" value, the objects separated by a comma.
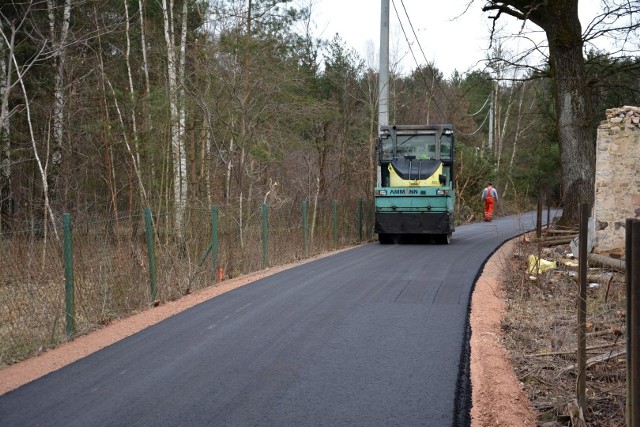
[
  {"x": 112, "y": 106},
  {"x": 109, "y": 107}
]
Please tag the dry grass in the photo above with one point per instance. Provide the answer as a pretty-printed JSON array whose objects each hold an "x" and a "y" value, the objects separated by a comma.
[{"x": 541, "y": 335}]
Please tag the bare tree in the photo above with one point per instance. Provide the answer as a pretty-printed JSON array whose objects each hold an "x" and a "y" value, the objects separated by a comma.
[
  {"x": 135, "y": 153},
  {"x": 59, "y": 31},
  {"x": 41, "y": 167},
  {"x": 560, "y": 22},
  {"x": 175, "y": 73},
  {"x": 9, "y": 29},
  {"x": 143, "y": 44},
  {"x": 6, "y": 49},
  {"x": 12, "y": 75}
]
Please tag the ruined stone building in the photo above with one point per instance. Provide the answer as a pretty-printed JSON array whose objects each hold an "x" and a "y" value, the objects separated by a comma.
[{"x": 617, "y": 177}]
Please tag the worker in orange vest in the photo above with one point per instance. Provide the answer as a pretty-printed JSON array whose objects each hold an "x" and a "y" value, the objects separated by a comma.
[{"x": 489, "y": 199}]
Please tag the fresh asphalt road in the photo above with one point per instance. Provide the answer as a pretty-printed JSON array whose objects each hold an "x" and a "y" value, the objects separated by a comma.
[{"x": 373, "y": 336}]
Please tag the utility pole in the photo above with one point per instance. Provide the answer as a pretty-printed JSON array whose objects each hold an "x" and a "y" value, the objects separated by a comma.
[{"x": 383, "y": 74}]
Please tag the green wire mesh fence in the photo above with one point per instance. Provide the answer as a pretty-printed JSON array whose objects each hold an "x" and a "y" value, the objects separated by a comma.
[{"x": 112, "y": 259}]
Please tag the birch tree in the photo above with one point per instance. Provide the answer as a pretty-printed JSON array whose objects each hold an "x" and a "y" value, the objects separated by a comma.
[
  {"x": 6, "y": 47},
  {"x": 42, "y": 166},
  {"x": 12, "y": 74},
  {"x": 143, "y": 44},
  {"x": 58, "y": 33},
  {"x": 7, "y": 43},
  {"x": 175, "y": 77},
  {"x": 135, "y": 153}
]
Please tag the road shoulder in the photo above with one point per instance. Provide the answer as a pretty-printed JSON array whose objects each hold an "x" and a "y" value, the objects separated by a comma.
[{"x": 498, "y": 397}]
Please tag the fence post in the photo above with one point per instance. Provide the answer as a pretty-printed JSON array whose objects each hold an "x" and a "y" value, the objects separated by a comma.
[
  {"x": 265, "y": 235},
  {"x": 548, "y": 211},
  {"x": 360, "y": 219},
  {"x": 632, "y": 269},
  {"x": 68, "y": 274},
  {"x": 539, "y": 216},
  {"x": 214, "y": 240},
  {"x": 151, "y": 252},
  {"x": 335, "y": 223},
  {"x": 582, "y": 308},
  {"x": 305, "y": 228}
]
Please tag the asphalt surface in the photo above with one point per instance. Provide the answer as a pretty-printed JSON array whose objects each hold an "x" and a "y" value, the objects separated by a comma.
[{"x": 373, "y": 336}]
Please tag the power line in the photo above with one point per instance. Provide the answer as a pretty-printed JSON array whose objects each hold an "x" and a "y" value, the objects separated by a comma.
[
  {"x": 479, "y": 127},
  {"x": 475, "y": 114},
  {"x": 414, "y": 56},
  {"x": 481, "y": 108},
  {"x": 422, "y": 50}
]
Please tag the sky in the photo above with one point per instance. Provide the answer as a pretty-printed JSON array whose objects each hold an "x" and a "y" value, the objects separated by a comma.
[{"x": 450, "y": 36}]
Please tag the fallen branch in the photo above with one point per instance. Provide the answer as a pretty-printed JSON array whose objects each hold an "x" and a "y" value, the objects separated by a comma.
[
  {"x": 596, "y": 278},
  {"x": 597, "y": 359},
  {"x": 557, "y": 241},
  {"x": 614, "y": 331},
  {"x": 558, "y": 353},
  {"x": 600, "y": 261},
  {"x": 554, "y": 231}
]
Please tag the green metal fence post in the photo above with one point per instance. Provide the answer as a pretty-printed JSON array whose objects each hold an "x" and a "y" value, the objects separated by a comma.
[
  {"x": 360, "y": 219},
  {"x": 151, "y": 251},
  {"x": 335, "y": 223},
  {"x": 68, "y": 274},
  {"x": 214, "y": 240},
  {"x": 305, "y": 228},
  {"x": 265, "y": 257}
]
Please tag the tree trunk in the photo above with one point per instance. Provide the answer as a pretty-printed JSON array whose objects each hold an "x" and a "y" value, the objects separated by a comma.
[
  {"x": 373, "y": 139},
  {"x": 516, "y": 137},
  {"x": 175, "y": 74},
  {"x": 577, "y": 146},
  {"x": 143, "y": 43},
  {"x": 500, "y": 141},
  {"x": 227, "y": 177},
  {"x": 106, "y": 134},
  {"x": 5, "y": 147},
  {"x": 559, "y": 19},
  {"x": 193, "y": 169},
  {"x": 6, "y": 73},
  {"x": 42, "y": 168},
  {"x": 134, "y": 163},
  {"x": 135, "y": 155},
  {"x": 59, "y": 42}
]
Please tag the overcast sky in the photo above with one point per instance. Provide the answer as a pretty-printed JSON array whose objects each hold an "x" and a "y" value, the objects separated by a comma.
[{"x": 450, "y": 37}]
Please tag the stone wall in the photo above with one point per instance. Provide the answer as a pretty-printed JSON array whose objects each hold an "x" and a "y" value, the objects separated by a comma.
[{"x": 617, "y": 176}]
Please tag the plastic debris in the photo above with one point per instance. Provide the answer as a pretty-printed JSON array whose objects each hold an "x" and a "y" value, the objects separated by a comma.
[{"x": 540, "y": 265}]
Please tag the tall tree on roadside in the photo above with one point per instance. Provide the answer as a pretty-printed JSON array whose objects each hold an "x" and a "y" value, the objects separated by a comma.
[
  {"x": 23, "y": 45},
  {"x": 59, "y": 18},
  {"x": 176, "y": 52},
  {"x": 561, "y": 24},
  {"x": 345, "y": 133},
  {"x": 7, "y": 44}
]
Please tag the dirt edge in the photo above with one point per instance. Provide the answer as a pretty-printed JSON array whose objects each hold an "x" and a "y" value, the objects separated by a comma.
[{"x": 498, "y": 397}]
